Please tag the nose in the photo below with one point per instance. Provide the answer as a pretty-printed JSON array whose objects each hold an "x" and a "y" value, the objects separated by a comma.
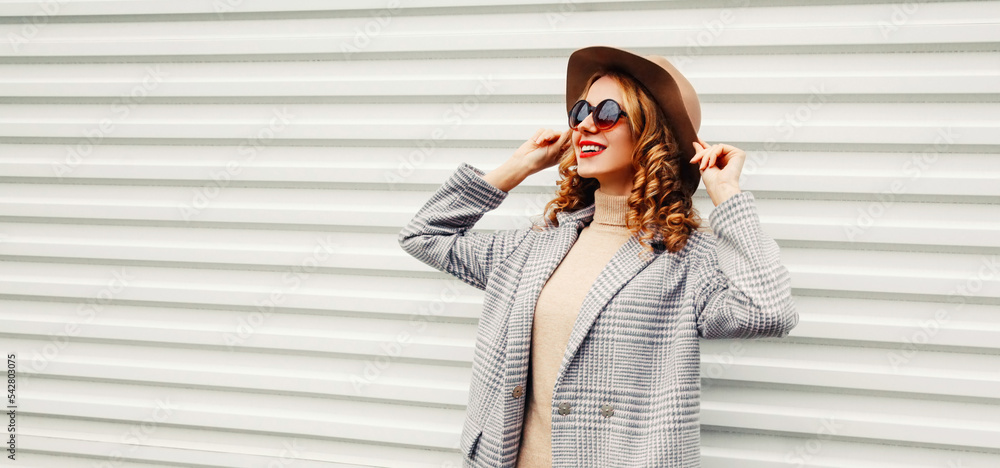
[{"x": 588, "y": 125}]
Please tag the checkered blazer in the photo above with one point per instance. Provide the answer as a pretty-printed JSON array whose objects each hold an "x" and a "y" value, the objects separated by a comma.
[{"x": 628, "y": 390}]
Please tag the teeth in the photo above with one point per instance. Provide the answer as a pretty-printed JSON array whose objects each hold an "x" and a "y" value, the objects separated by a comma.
[{"x": 591, "y": 148}]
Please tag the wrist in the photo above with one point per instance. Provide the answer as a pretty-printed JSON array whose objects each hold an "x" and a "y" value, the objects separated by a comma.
[
  {"x": 723, "y": 193},
  {"x": 506, "y": 176}
]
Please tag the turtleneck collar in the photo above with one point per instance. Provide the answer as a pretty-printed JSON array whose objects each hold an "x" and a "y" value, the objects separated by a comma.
[{"x": 610, "y": 210}]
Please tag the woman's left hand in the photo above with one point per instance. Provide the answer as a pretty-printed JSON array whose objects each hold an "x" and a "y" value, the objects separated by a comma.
[{"x": 720, "y": 167}]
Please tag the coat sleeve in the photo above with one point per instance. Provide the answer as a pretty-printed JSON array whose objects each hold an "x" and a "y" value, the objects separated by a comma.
[
  {"x": 440, "y": 236},
  {"x": 742, "y": 290}
]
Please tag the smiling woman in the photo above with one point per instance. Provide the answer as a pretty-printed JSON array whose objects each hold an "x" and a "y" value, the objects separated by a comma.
[
  {"x": 605, "y": 153},
  {"x": 587, "y": 351},
  {"x": 625, "y": 147}
]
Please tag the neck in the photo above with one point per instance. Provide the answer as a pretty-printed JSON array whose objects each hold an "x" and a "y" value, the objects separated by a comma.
[{"x": 610, "y": 210}]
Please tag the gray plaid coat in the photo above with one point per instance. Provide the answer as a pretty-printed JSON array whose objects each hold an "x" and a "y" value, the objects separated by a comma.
[{"x": 627, "y": 392}]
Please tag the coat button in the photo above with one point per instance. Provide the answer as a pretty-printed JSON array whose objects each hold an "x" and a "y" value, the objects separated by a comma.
[
  {"x": 607, "y": 411},
  {"x": 564, "y": 408},
  {"x": 518, "y": 391}
]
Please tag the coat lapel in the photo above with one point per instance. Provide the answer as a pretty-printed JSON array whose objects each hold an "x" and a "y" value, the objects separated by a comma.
[
  {"x": 623, "y": 266},
  {"x": 545, "y": 256},
  {"x": 543, "y": 259}
]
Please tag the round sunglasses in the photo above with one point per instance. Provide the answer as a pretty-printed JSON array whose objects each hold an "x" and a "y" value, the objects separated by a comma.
[{"x": 606, "y": 113}]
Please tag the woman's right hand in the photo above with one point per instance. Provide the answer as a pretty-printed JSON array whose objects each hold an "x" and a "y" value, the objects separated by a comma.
[{"x": 542, "y": 150}]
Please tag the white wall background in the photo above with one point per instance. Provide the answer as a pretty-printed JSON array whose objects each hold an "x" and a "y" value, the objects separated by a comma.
[{"x": 199, "y": 203}]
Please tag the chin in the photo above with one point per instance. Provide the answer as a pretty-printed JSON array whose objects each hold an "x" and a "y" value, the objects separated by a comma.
[{"x": 588, "y": 172}]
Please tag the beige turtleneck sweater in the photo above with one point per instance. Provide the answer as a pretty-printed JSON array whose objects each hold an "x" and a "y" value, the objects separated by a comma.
[{"x": 555, "y": 313}]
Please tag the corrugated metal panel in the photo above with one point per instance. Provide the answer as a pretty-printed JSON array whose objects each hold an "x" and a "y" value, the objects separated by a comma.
[{"x": 200, "y": 200}]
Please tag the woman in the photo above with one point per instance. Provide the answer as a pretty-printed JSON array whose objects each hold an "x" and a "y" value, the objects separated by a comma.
[{"x": 587, "y": 351}]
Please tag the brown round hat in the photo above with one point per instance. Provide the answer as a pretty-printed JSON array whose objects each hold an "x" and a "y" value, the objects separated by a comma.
[{"x": 669, "y": 88}]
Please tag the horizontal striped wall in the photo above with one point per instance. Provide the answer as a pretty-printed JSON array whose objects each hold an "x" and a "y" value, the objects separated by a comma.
[{"x": 199, "y": 203}]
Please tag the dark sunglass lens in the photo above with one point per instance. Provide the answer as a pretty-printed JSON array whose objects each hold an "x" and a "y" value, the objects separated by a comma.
[
  {"x": 579, "y": 113},
  {"x": 607, "y": 114}
]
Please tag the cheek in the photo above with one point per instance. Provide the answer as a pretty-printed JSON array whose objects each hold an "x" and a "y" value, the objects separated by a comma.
[
  {"x": 623, "y": 146},
  {"x": 620, "y": 135},
  {"x": 623, "y": 157}
]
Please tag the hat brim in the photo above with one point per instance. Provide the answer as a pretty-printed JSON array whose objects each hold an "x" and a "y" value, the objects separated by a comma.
[{"x": 661, "y": 84}]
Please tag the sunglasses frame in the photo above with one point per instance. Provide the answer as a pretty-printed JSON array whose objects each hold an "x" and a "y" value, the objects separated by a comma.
[{"x": 590, "y": 111}]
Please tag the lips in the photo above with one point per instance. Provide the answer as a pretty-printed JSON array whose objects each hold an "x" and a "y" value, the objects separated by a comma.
[{"x": 589, "y": 149}]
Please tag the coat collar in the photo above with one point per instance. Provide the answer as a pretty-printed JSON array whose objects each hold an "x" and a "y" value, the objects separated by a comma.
[
  {"x": 583, "y": 214},
  {"x": 550, "y": 248}
]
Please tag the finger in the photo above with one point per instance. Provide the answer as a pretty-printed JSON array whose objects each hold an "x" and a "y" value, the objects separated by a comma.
[
  {"x": 564, "y": 138},
  {"x": 537, "y": 136},
  {"x": 698, "y": 151},
  {"x": 729, "y": 152},
  {"x": 717, "y": 155},
  {"x": 709, "y": 158}
]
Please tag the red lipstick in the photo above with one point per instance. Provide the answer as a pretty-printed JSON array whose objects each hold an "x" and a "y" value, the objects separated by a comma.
[{"x": 593, "y": 153}]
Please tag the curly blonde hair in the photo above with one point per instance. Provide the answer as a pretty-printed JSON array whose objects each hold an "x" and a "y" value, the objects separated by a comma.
[{"x": 657, "y": 202}]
